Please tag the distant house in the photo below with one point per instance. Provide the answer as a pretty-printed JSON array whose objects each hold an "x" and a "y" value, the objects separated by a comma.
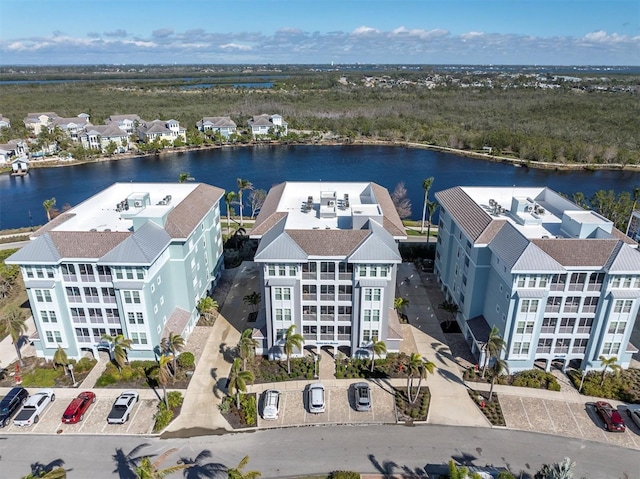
[
  {"x": 127, "y": 123},
  {"x": 12, "y": 149},
  {"x": 74, "y": 127},
  {"x": 264, "y": 124},
  {"x": 99, "y": 137},
  {"x": 20, "y": 166},
  {"x": 222, "y": 124},
  {"x": 160, "y": 130},
  {"x": 5, "y": 122},
  {"x": 35, "y": 121}
]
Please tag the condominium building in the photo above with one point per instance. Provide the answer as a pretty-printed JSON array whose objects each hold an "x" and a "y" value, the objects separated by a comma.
[
  {"x": 328, "y": 256},
  {"x": 134, "y": 259},
  {"x": 561, "y": 283}
]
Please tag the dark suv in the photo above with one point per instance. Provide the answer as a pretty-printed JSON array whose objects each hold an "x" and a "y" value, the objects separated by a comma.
[{"x": 10, "y": 404}]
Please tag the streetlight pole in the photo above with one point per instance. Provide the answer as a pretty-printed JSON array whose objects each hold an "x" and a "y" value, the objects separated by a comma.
[
  {"x": 584, "y": 373},
  {"x": 315, "y": 365},
  {"x": 73, "y": 378}
]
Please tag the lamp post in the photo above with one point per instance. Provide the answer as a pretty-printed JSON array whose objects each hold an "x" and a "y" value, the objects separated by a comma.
[
  {"x": 584, "y": 373},
  {"x": 73, "y": 378},
  {"x": 315, "y": 365}
]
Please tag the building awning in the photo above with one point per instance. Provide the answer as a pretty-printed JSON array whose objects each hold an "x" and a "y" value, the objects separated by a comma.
[
  {"x": 531, "y": 293},
  {"x": 625, "y": 293},
  {"x": 479, "y": 329},
  {"x": 130, "y": 285},
  {"x": 274, "y": 283},
  {"x": 177, "y": 322},
  {"x": 39, "y": 283},
  {"x": 394, "y": 329},
  {"x": 372, "y": 283},
  {"x": 631, "y": 348}
]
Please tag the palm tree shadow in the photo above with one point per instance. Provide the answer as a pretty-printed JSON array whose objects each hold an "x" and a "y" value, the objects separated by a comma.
[
  {"x": 464, "y": 459},
  {"x": 228, "y": 354},
  {"x": 38, "y": 469},
  {"x": 385, "y": 469},
  {"x": 198, "y": 470},
  {"x": 125, "y": 463}
]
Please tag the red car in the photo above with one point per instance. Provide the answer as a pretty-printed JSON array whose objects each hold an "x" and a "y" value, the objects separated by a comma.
[
  {"x": 76, "y": 408},
  {"x": 611, "y": 417}
]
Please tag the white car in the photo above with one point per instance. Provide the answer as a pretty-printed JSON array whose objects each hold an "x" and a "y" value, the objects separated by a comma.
[
  {"x": 34, "y": 407},
  {"x": 122, "y": 407},
  {"x": 271, "y": 404},
  {"x": 315, "y": 395},
  {"x": 633, "y": 411}
]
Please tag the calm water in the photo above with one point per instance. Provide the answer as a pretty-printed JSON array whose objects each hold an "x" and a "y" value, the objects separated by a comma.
[{"x": 266, "y": 165}]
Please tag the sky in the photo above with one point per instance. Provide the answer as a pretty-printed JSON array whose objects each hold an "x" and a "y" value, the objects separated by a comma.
[{"x": 506, "y": 32}]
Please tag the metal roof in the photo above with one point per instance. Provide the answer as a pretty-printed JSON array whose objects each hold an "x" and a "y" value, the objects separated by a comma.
[{"x": 142, "y": 247}]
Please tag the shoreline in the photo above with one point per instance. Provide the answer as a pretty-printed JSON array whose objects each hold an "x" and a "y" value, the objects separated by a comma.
[{"x": 57, "y": 163}]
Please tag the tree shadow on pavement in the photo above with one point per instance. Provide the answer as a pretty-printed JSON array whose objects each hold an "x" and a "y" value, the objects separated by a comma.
[
  {"x": 199, "y": 470},
  {"x": 228, "y": 354},
  {"x": 391, "y": 470},
  {"x": 126, "y": 463},
  {"x": 38, "y": 469}
]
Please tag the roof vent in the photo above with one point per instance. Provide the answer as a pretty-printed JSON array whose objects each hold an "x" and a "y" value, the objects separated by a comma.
[{"x": 93, "y": 229}]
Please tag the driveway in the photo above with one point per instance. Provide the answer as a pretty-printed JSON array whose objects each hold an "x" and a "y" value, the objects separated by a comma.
[{"x": 567, "y": 419}]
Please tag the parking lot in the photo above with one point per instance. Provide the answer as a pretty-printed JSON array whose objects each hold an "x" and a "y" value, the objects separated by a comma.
[
  {"x": 562, "y": 418},
  {"x": 340, "y": 408},
  {"x": 95, "y": 420}
]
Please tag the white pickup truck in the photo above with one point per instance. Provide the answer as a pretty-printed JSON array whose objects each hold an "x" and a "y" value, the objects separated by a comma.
[{"x": 33, "y": 408}]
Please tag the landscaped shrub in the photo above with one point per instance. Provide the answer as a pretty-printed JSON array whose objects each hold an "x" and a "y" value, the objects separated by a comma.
[
  {"x": 162, "y": 418},
  {"x": 249, "y": 409},
  {"x": 186, "y": 360},
  {"x": 40, "y": 377},
  {"x": 106, "y": 380},
  {"x": 174, "y": 398},
  {"x": 344, "y": 475},
  {"x": 536, "y": 378},
  {"x": 84, "y": 365},
  {"x": 622, "y": 385}
]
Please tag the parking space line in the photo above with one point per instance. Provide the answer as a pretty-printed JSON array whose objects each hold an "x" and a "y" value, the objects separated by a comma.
[
  {"x": 132, "y": 419},
  {"x": 544, "y": 403},
  {"x": 525, "y": 413},
  {"x": 575, "y": 419},
  {"x": 91, "y": 409}
]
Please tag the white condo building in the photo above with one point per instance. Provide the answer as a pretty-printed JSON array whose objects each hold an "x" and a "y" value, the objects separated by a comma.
[
  {"x": 561, "y": 283},
  {"x": 328, "y": 257}
]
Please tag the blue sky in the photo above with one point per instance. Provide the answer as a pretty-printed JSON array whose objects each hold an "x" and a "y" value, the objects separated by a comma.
[{"x": 557, "y": 32}]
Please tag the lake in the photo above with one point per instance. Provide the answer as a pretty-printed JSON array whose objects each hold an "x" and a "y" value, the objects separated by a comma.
[{"x": 21, "y": 197}]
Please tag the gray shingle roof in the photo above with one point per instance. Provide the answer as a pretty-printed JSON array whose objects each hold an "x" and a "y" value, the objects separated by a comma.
[
  {"x": 470, "y": 216},
  {"x": 328, "y": 242},
  {"x": 269, "y": 215},
  {"x": 182, "y": 220},
  {"x": 177, "y": 322},
  {"x": 57, "y": 221},
  {"x": 86, "y": 244},
  {"x": 391, "y": 221}
]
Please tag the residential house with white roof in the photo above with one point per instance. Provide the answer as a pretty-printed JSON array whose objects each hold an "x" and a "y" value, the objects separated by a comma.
[
  {"x": 99, "y": 137},
  {"x": 11, "y": 150},
  {"x": 265, "y": 124},
  {"x": 4, "y": 122},
  {"x": 328, "y": 257},
  {"x": 36, "y": 121},
  {"x": 134, "y": 259},
  {"x": 127, "y": 123},
  {"x": 72, "y": 127},
  {"x": 561, "y": 283},
  {"x": 160, "y": 130},
  {"x": 221, "y": 124}
]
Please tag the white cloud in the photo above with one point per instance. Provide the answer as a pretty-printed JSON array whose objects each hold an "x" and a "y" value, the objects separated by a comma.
[
  {"x": 363, "y": 30},
  {"x": 235, "y": 46}
]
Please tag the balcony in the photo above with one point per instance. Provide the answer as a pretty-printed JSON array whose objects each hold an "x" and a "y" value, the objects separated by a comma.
[
  {"x": 327, "y": 317},
  {"x": 311, "y": 275},
  {"x": 345, "y": 297},
  {"x": 309, "y": 317},
  {"x": 327, "y": 276},
  {"x": 345, "y": 276},
  {"x": 327, "y": 297},
  {"x": 326, "y": 337}
]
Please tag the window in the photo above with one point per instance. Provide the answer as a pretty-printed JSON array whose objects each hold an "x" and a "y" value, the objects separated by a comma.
[
  {"x": 372, "y": 294},
  {"x": 590, "y": 304},
  {"x": 520, "y": 348},
  {"x": 571, "y": 304},
  {"x": 112, "y": 315},
  {"x": 544, "y": 345},
  {"x": 68, "y": 271},
  {"x": 566, "y": 325},
  {"x": 78, "y": 315},
  {"x": 109, "y": 295},
  {"x": 91, "y": 295},
  {"x": 579, "y": 345},
  {"x": 549, "y": 325},
  {"x": 132, "y": 297},
  {"x": 529, "y": 306},
  {"x": 280, "y": 334},
  {"x": 553, "y": 304},
  {"x": 83, "y": 335},
  {"x": 584, "y": 325},
  {"x": 309, "y": 291},
  {"x": 562, "y": 346},
  {"x": 595, "y": 281},
  {"x": 139, "y": 338},
  {"x": 44, "y": 295},
  {"x": 576, "y": 281},
  {"x": 611, "y": 348},
  {"x": 362, "y": 270},
  {"x": 95, "y": 315},
  {"x": 344, "y": 332},
  {"x": 617, "y": 327},
  {"x": 327, "y": 292},
  {"x": 73, "y": 294},
  {"x": 622, "y": 306},
  {"x": 384, "y": 271},
  {"x": 310, "y": 331},
  {"x": 558, "y": 282},
  {"x": 525, "y": 327},
  {"x": 86, "y": 270},
  {"x": 48, "y": 316},
  {"x": 292, "y": 270},
  {"x": 521, "y": 281},
  {"x": 131, "y": 318},
  {"x": 309, "y": 270},
  {"x": 368, "y": 334},
  {"x": 54, "y": 337}
]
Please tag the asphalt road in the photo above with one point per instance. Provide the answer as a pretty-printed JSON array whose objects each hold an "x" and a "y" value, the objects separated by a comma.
[{"x": 310, "y": 450}]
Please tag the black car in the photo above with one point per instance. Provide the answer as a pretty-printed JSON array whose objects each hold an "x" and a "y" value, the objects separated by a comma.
[{"x": 11, "y": 403}]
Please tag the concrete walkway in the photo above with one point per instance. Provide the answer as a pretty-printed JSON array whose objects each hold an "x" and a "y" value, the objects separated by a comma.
[
  {"x": 7, "y": 349},
  {"x": 450, "y": 401}
]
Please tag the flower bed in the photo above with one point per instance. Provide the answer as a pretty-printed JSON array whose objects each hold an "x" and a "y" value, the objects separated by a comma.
[
  {"x": 246, "y": 416},
  {"x": 621, "y": 385},
  {"x": 38, "y": 372},
  {"x": 532, "y": 378},
  {"x": 140, "y": 374},
  {"x": 266, "y": 371},
  {"x": 416, "y": 411},
  {"x": 389, "y": 367},
  {"x": 491, "y": 409},
  {"x": 164, "y": 416}
]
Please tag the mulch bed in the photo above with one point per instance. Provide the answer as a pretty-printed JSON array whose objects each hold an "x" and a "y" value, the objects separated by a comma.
[
  {"x": 416, "y": 411},
  {"x": 491, "y": 409},
  {"x": 235, "y": 417},
  {"x": 33, "y": 363}
]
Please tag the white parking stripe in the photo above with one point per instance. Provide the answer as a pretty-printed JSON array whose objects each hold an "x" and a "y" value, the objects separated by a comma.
[
  {"x": 132, "y": 419},
  {"x": 91, "y": 409},
  {"x": 575, "y": 419},
  {"x": 525, "y": 413},
  {"x": 553, "y": 425}
]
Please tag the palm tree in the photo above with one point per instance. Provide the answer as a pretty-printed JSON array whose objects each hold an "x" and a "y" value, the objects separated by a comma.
[
  {"x": 253, "y": 300},
  {"x": 636, "y": 198},
  {"x": 118, "y": 346},
  {"x": 14, "y": 322},
  {"x": 246, "y": 346},
  {"x": 451, "y": 308},
  {"x": 148, "y": 469},
  {"x": 292, "y": 340},
  {"x": 608, "y": 363},
  {"x": 60, "y": 357},
  {"x": 242, "y": 185},
  {"x": 229, "y": 198},
  {"x": 559, "y": 470},
  {"x": 378, "y": 348},
  {"x": 238, "y": 379},
  {"x": 183, "y": 177},
  {"x": 413, "y": 367},
  {"x": 400, "y": 304},
  {"x": 238, "y": 473},
  {"x": 492, "y": 348},
  {"x": 432, "y": 207},
  {"x": 206, "y": 306},
  {"x": 55, "y": 473},
  {"x": 498, "y": 368},
  {"x": 49, "y": 205},
  {"x": 163, "y": 376},
  {"x": 426, "y": 186},
  {"x": 427, "y": 367},
  {"x": 174, "y": 343}
]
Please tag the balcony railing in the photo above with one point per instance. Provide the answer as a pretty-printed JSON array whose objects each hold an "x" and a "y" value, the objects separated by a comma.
[
  {"x": 75, "y": 299},
  {"x": 70, "y": 277},
  {"x": 327, "y": 337},
  {"x": 327, "y": 317},
  {"x": 576, "y": 286},
  {"x": 309, "y": 275},
  {"x": 344, "y": 337},
  {"x": 109, "y": 299},
  {"x": 327, "y": 297},
  {"x": 92, "y": 299},
  {"x": 310, "y": 317},
  {"x": 344, "y": 276},
  {"x": 327, "y": 276},
  {"x": 345, "y": 297},
  {"x": 310, "y": 336},
  {"x": 87, "y": 278},
  {"x": 309, "y": 296},
  {"x": 105, "y": 278},
  {"x": 557, "y": 287},
  {"x": 594, "y": 287},
  {"x": 344, "y": 317}
]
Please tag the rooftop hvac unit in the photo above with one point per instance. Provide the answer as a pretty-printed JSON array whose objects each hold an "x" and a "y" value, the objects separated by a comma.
[
  {"x": 137, "y": 204},
  {"x": 530, "y": 208}
]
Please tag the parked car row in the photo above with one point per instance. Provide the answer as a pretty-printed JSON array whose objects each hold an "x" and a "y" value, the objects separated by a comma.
[
  {"x": 315, "y": 400},
  {"x": 612, "y": 419},
  {"x": 34, "y": 406}
]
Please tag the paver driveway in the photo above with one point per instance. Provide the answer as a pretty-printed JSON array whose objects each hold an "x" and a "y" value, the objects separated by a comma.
[{"x": 564, "y": 419}]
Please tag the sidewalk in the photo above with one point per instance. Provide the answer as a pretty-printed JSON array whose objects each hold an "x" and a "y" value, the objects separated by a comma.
[{"x": 8, "y": 350}]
